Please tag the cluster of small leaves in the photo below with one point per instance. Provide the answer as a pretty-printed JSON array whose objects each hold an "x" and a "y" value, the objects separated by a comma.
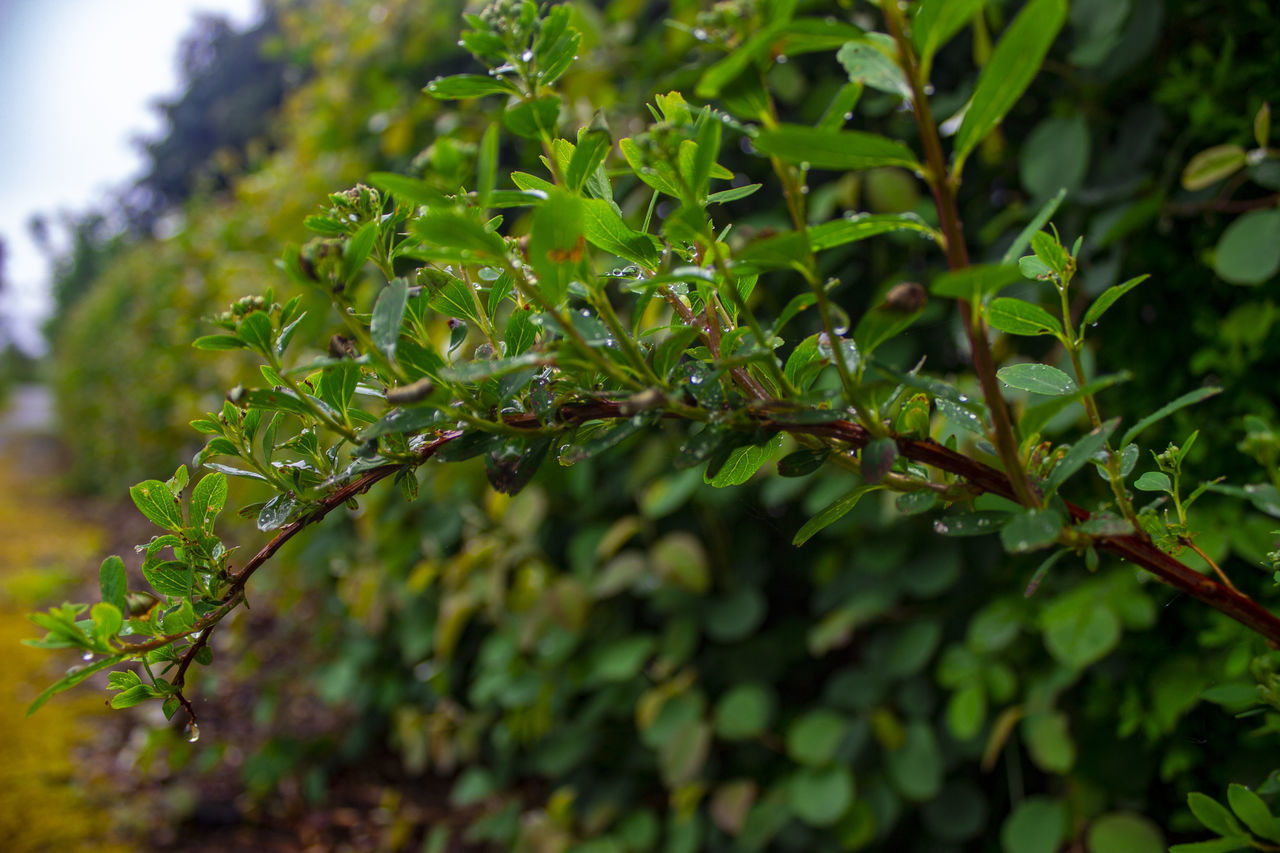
[{"x": 186, "y": 566}]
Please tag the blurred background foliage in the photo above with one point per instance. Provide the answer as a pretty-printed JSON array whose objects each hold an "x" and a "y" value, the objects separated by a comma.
[{"x": 621, "y": 658}]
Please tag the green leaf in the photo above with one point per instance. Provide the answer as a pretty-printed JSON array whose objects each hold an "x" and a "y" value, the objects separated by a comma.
[
  {"x": 1187, "y": 399},
  {"x": 113, "y": 582},
  {"x": 976, "y": 282},
  {"x": 1035, "y": 826},
  {"x": 820, "y": 796},
  {"x": 622, "y": 659},
  {"x": 451, "y": 235},
  {"x": 802, "y": 462},
  {"x": 1212, "y": 165},
  {"x": 1213, "y": 814},
  {"x": 132, "y": 696},
  {"x": 1031, "y": 530},
  {"x": 1037, "y": 222},
  {"x": 868, "y": 65},
  {"x": 726, "y": 196},
  {"x": 1049, "y": 741},
  {"x": 486, "y": 165},
  {"x": 916, "y": 768},
  {"x": 172, "y": 578},
  {"x": 814, "y": 738},
  {"x": 605, "y": 229},
  {"x": 107, "y": 621},
  {"x": 744, "y": 462},
  {"x": 1018, "y": 317},
  {"x": 1154, "y": 481},
  {"x": 723, "y": 72},
  {"x": 520, "y": 333},
  {"x": 409, "y": 190},
  {"x": 153, "y": 499},
  {"x": 533, "y": 119},
  {"x": 1125, "y": 832},
  {"x": 1108, "y": 298},
  {"x": 388, "y": 313},
  {"x": 557, "y": 244},
  {"x": 744, "y": 711},
  {"x": 357, "y": 250},
  {"x": 936, "y": 22},
  {"x": 207, "y": 500},
  {"x": 218, "y": 342},
  {"x": 831, "y": 514},
  {"x": 460, "y": 86},
  {"x": 255, "y": 330},
  {"x": 1038, "y": 379},
  {"x": 843, "y": 150},
  {"x": 1253, "y": 812},
  {"x": 1215, "y": 845},
  {"x": 1249, "y": 250},
  {"x": 1014, "y": 62},
  {"x": 1080, "y": 454},
  {"x": 1055, "y": 156},
  {"x": 1078, "y": 631},
  {"x": 70, "y": 680}
]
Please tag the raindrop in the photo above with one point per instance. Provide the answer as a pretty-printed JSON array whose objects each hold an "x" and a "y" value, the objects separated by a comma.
[
  {"x": 941, "y": 527},
  {"x": 805, "y": 166},
  {"x": 700, "y": 34},
  {"x": 527, "y": 56},
  {"x": 192, "y": 732},
  {"x": 962, "y": 399},
  {"x": 74, "y": 670},
  {"x": 928, "y": 88},
  {"x": 782, "y": 60},
  {"x": 695, "y": 380},
  {"x": 87, "y": 656},
  {"x": 848, "y": 116}
]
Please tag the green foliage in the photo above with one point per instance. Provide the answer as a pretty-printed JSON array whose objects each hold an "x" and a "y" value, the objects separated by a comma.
[{"x": 596, "y": 318}]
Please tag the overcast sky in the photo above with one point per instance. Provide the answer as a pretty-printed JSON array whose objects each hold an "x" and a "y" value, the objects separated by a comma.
[{"x": 77, "y": 78}]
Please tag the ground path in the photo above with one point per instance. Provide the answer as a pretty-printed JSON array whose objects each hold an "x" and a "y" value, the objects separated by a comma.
[{"x": 48, "y": 799}]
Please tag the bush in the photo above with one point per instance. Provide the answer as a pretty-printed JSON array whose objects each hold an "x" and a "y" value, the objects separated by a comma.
[{"x": 605, "y": 654}]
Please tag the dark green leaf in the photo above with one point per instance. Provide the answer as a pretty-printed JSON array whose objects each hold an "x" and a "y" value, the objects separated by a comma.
[
  {"x": 976, "y": 282},
  {"x": 1079, "y": 454},
  {"x": 1190, "y": 398},
  {"x": 533, "y": 119},
  {"x": 843, "y": 150},
  {"x": 743, "y": 462},
  {"x": 802, "y": 462},
  {"x": 255, "y": 330},
  {"x": 218, "y": 342},
  {"x": 1018, "y": 317},
  {"x": 820, "y": 796},
  {"x": 1031, "y": 530},
  {"x": 833, "y": 513},
  {"x": 814, "y": 738},
  {"x": 1038, "y": 379}
]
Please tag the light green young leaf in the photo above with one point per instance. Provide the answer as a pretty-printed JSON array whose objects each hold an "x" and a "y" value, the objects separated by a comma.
[
  {"x": 153, "y": 499},
  {"x": 207, "y": 500},
  {"x": 1154, "y": 481},
  {"x": 172, "y": 578},
  {"x": 460, "y": 86},
  {"x": 1014, "y": 62},
  {"x": 357, "y": 250},
  {"x": 113, "y": 582}
]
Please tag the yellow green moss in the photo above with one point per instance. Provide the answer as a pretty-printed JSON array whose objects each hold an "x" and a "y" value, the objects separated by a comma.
[{"x": 44, "y": 801}]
